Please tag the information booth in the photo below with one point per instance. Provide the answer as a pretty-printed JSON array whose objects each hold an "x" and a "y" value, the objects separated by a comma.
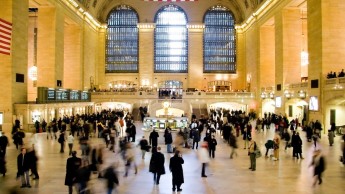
[{"x": 175, "y": 123}]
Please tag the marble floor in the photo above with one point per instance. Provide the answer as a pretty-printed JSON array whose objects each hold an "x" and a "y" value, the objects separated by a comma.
[{"x": 225, "y": 175}]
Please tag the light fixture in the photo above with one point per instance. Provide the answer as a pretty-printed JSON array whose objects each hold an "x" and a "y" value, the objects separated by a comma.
[
  {"x": 302, "y": 94},
  {"x": 33, "y": 73}
]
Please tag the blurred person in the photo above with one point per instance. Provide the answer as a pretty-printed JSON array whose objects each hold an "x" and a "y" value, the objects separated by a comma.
[
  {"x": 73, "y": 164},
  {"x": 331, "y": 137},
  {"x": 176, "y": 169},
  {"x": 157, "y": 165},
  {"x": 319, "y": 165},
  {"x": 4, "y": 143},
  {"x": 154, "y": 138},
  {"x": 203, "y": 157},
  {"x": 31, "y": 154},
  {"x": 130, "y": 159},
  {"x": 61, "y": 141},
  {"x": 212, "y": 144},
  {"x": 111, "y": 176},
  {"x": 3, "y": 169},
  {"x": 83, "y": 177},
  {"x": 144, "y": 147},
  {"x": 251, "y": 153},
  {"x": 276, "y": 141},
  {"x": 23, "y": 166},
  {"x": 168, "y": 141},
  {"x": 233, "y": 144},
  {"x": 70, "y": 140}
]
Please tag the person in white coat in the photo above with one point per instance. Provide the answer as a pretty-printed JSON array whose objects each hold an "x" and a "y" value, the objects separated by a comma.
[{"x": 204, "y": 157}]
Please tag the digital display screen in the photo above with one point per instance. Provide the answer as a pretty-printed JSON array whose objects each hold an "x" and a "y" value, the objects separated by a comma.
[
  {"x": 74, "y": 95},
  {"x": 84, "y": 96},
  {"x": 61, "y": 95},
  {"x": 51, "y": 95}
]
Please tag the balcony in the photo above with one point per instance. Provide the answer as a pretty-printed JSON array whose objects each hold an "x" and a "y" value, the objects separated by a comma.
[
  {"x": 153, "y": 95},
  {"x": 334, "y": 83}
]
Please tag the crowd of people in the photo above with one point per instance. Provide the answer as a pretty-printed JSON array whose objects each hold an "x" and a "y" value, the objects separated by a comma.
[
  {"x": 119, "y": 135},
  {"x": 332, "y": 74}
]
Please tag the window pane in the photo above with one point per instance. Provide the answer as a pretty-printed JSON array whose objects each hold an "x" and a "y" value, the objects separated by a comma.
[
  {"x": 171, "y": 46},
  {"x": 122, "y": 41},
  {"x": 219, "y": 41}
]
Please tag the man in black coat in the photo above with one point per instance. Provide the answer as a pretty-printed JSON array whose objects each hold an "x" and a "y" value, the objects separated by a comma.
[
  {"x": 212, "y": 143},
  {"x": 176, "y": 169},
  {"x": 72, "y": 166},
  {"x": 133, "y": 131},
  {"x": 154, "y": 138},
  {"x": 111, "y": 177},
  {"x": 168, "y": 141},
  {"x": 23, "y": 164},
  {"x": 3, "y": 143},
  {"x": 157, "y": 165}
]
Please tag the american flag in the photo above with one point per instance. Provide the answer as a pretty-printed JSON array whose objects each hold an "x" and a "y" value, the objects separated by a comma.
[
  {"x": 5, "y": 37},
  {"x": 170, "y": 0}
]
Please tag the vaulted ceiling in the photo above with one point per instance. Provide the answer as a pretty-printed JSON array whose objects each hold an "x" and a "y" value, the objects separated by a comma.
[{"x": 101, "y": 8}]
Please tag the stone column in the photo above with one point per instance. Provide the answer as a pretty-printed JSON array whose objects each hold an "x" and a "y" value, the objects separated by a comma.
[
  {"x": 15, "y": 12},
  {"x": 146, "y": 55},
  {"x": 50, "y": 46},
  {"x": 195, "y": 58}
]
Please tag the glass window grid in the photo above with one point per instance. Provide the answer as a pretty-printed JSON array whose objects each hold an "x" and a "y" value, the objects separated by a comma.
[
  {"x": 219, "y": 41},
  {"x": 171, "y": 41},
  {"x": 122, "y": 41}
]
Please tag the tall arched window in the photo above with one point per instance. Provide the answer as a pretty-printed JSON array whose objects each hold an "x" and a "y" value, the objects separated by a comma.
[
  {"x": 219, "y": 41},
  {"x": 171, "y": 45},
  {"x": 122, "y": 41}
]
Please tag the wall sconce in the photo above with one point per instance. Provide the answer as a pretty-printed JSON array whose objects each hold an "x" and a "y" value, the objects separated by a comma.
[
  {"x": 287, "y": 94},
  {"x": 271, "y": 95},
  {"x": 263, "y": 95},
  {"x": 302, "y": 94}
]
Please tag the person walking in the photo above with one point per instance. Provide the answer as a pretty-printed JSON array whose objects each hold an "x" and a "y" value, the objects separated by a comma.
[
  {"x": 251, "y": 153},
  {"x": 204, "y": 158},
  {"x": 4, "y": 143},
  {"x": 129, "y": 158},
  {"x": 23, "y": 164},
  {"x": 176, "y": 169},
  {"x": 233, "y": 144},
  {"x": 319, "y": 166},
  {"x": 111, "y": 177},
  {"x": 212, "y": 143},
  {"x": 298, "y": 146},
  {"x": 157, "y": 165},
  {"x": 196, "y": 138},
  {"x": 168, "y": 140},
  {"x": 143, "y": 147},
  {"x": 33, "y": 162},
  {"x": 72, "y": 165},
  {"x": 154, "y": 138},
  {"x": 133, "y": 131},
  {"x": 276, "y": 141},
  {"x": 70, "y": 140},
  {"x": 61, "y": 141},
  {"x": 331, "y": 137}
]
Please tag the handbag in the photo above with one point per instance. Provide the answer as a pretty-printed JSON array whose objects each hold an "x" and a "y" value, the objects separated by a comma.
[{"x": 257, "y": 153}]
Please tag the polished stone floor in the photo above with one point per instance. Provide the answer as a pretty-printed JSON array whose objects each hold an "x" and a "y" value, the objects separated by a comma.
[{"x": 225, "y": 175}]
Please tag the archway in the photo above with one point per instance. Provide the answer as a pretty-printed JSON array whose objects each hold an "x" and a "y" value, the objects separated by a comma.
[{"x": 170, "y": 89}]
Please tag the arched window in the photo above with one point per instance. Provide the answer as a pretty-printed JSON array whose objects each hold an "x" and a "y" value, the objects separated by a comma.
[
  {"x": 219, "y": 41},
  {"x": 171, "y": 45},
  {"x": 122, "y": 41}
]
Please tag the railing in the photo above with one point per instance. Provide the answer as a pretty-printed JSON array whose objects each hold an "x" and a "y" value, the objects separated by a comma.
[
  {"x": 185, "y": 95},
  {"x": 294, "y": 86},
  {"x": 335, "y": 83}
]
